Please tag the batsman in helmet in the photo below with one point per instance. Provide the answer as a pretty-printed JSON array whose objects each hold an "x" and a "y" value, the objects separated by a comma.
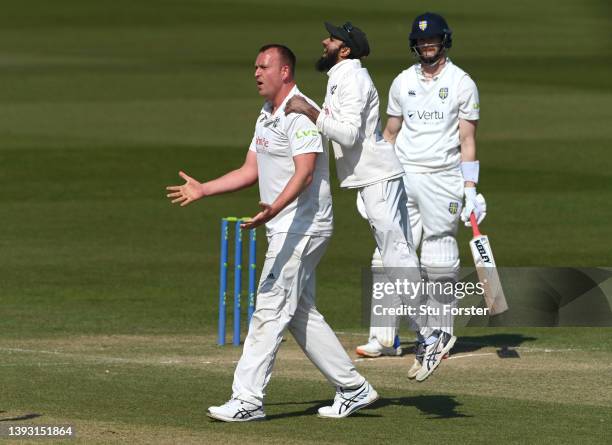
[{"x": 433, "y": 112}]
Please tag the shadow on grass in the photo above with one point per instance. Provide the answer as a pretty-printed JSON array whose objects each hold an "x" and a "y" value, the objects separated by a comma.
[
  {"x": 17, "y": 418},
  {"x": 433, "y": 406},
  {"x": 474, "y": 343}
]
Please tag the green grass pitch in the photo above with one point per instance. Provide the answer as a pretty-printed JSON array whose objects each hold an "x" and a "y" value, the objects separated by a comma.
[{"x": 108, "y": 295}]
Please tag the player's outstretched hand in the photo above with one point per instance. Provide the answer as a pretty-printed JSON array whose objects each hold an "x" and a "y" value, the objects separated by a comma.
[
  {"x": 186, "y": 193},
  {"x": 474, "y": 203},
  {"x": 262, "y": 217}
]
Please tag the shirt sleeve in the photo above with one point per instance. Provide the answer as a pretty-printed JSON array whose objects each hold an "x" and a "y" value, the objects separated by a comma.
[
  {"x": 394, "y": 107},
  {"x": 303, "y": 135},
  {"x": 252, "y": 146},
  {"x": 469, "y": 102},
  {"x": 345, "y": 126}
]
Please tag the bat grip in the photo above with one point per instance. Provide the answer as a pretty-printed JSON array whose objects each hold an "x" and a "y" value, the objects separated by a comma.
[{"x": 475, "y": 230}]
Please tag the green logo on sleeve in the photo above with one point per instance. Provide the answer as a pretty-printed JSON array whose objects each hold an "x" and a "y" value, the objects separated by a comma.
[{"x": 305, "y": 133}]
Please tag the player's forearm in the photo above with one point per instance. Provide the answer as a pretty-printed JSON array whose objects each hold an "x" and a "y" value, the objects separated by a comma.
[
  {"x": 345, "y": 134},
  {"x": 296, "y": 185},
  {"x": 468, "y": 154},
  {"x": 467, "y": 138},
  {"x": 392, "y": 129},
  {"x": 230, "y": 182},
  {"x": 468, "y": 149}
]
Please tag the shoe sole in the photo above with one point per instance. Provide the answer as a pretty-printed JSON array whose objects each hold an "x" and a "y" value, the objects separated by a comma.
[
  {"x": 232, "y": 419},
  {"x": 412, "y": 375},
  {"x": 445, "y": 351},
  {"x": 362, "y": 353},
  {"x": 354, "y": 410}
]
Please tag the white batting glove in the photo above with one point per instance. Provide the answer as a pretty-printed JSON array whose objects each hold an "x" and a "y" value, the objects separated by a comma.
[{"x": 473, "y": 203}]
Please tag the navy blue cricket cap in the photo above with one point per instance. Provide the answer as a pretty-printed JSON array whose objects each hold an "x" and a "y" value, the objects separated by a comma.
[
  {"x": 352, "y": 36},
  {"x": 428, "y": 25}
]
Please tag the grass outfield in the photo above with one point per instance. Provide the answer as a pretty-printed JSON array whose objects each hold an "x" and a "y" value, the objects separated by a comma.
[
  {"x": 153, "y": 389},
  {"x": 103, "y": 102}
]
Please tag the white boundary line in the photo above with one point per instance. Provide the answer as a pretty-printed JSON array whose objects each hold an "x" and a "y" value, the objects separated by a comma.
[
  {"x": 453, "y": 357},
  {"x": 101, "y": 359}
]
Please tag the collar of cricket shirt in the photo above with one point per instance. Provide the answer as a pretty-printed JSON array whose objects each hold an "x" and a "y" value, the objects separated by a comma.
[
  {"x": 424, "y": 78},
  {"x": 345, "y": 65},
  {"x": 268, "y": 105}
]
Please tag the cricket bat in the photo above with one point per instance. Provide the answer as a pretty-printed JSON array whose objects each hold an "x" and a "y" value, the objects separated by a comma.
[{"x": 487, "y": 271}]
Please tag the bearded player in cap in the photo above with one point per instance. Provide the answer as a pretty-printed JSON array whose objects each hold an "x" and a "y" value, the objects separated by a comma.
[
  {"x": 433, "y": 113},
  {"x": 364, "y": 160}
]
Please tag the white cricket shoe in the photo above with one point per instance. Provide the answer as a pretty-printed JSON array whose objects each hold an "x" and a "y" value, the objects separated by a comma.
[
  {"x": 347, "y": 401},
  {"x": 419, "y": 348},
  {"x": 237, "y": 410},
  {"x": 434, "y": 353},
  {"x": 373, "y": 349}
]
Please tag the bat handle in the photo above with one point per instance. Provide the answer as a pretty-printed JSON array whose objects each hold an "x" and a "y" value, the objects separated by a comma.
[{"x": 475, "y": 230}]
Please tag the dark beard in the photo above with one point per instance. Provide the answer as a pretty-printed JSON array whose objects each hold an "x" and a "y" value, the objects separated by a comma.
[{"x": 325, "y": 63}]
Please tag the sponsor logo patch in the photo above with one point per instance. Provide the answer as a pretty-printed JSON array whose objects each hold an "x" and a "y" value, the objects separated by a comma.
[
  {"x": 332, "y": 90},
  {"x": 411, "y": 93},
  {"x": 482, "y": 251},
  {"x": 261, "y": 144},
  {"x": 428, "y": 115},
  {"x": 305, "y": 133},
  {"x": 274, "y": 123}
]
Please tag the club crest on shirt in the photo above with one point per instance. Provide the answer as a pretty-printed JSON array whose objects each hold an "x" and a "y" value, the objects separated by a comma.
[
  {"x": 453, "y": 207},
  {"x": 423, "y": 25},
  {"x": 443, "y": 93},
  {"x": 274, "y": 123}
]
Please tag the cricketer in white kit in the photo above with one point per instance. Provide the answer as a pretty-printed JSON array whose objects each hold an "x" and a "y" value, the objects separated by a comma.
[
  {"x": 364, "y": 160},
  {"x": 290, "y": 162},
  {"x": 433, "y": 112}
]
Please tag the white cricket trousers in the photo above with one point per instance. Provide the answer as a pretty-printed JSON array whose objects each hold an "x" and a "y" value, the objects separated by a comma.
[
  {"x": 434, "y": 205},
  {"x": 386, "y": 210},
  {"x": 385, "y": 206},
  {"x": 286, "y": 299}
]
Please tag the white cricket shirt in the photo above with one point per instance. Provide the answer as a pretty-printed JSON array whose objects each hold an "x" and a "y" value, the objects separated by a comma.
[
  {"x": 278, "y": 138},
  {"x": 350, "y": 118},
  {"x": 429, "y": 138}
]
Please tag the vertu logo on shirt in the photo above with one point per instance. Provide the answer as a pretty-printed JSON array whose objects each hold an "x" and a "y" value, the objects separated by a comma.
[{"x": 427, "y": 115}]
